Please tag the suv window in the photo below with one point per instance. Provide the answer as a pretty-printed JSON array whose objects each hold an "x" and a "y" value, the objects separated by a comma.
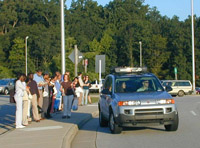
[
  {"x": 108, "y": 84},
  {"x": 137, "y": 84}
]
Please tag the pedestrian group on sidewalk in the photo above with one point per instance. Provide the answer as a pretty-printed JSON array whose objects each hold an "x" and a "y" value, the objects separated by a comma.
[{"x": 37, "y": 96}]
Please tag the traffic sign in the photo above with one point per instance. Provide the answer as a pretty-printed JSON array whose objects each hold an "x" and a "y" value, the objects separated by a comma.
[{"x": 72, "y": 56}]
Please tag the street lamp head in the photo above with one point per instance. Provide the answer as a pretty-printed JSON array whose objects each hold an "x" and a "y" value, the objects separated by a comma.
[
  {"x": 140, "y": 42},
  {"x": 27, "y": 37}
]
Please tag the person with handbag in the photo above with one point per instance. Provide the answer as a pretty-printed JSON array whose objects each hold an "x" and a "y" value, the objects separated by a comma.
[
  {"x": 46, "y": 98},
  {"x": 35, "y": 94},
  {"x": 67, "y": 92},
  {"x": 19, "y": 93}
]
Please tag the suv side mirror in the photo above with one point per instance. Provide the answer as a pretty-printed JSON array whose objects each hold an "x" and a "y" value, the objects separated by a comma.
[
  {"x": 168, "y": 88},
  {"x": 106, "y": 91}
]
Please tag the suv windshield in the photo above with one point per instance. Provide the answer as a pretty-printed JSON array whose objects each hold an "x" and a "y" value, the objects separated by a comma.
[{"x": 137, "y": 84}]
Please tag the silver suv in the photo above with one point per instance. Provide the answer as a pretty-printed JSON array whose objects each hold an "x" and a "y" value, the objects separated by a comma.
[{"x": 132, "y": 97}]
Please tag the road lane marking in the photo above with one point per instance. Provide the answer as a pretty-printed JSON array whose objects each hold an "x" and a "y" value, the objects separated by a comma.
[
  {"x": 193, "y": 113},
  {"x": 41, "y": 128}
]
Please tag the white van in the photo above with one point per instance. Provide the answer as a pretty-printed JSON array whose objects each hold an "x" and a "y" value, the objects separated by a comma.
[{"x": 180, "y": 87}]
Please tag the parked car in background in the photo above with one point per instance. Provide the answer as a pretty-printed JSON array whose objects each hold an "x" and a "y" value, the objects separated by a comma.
[
  {"x": 197, "y": 90},
  {"x": 180, "y": 87},
  {"x": 96, "y": 86},
  {"x": 6, "y": 85}
]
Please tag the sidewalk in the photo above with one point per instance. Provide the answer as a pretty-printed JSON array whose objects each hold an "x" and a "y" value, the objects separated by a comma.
[{"x": 52, "y": 133}]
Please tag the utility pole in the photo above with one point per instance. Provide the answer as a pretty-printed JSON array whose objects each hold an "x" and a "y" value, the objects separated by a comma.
[
  {"x": 140, "y": 53},
  {"x": 76, "y": 60},
  {"x": 193, "y": 51},
  {"x": 62, "y": 37},
  {"x": 26, "y": 63}
]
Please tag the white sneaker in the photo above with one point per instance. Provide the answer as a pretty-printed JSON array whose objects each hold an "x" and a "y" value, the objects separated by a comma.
[{"x": 21, "y": 126}]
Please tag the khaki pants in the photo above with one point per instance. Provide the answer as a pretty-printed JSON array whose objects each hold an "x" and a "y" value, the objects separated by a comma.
[
  {"x": 34, "y": 108},
  {"x": 40, "y": 101},
  {"x": 25, "y": 113}
]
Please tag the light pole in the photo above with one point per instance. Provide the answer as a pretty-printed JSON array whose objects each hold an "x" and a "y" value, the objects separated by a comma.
[
  {"x": 140, "y": 53},
  {"x": 62, "y": 37},
  {"x": 193, "y": 52},
  {"x": 26, "y": 54}
]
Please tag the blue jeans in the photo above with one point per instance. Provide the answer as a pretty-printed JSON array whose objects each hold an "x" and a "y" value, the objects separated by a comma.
[
  {"x": 67, "y": 105},
  {"x": 85, "y": 96}
]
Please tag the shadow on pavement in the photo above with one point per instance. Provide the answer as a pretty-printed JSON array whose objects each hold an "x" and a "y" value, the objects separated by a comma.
[{"x": 7, "y": 117}]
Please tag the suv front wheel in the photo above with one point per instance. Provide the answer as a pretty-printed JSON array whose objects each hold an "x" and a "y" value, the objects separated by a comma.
[
  {"x": 174, "y": 126},
  {"x": 114, "y": 128}
]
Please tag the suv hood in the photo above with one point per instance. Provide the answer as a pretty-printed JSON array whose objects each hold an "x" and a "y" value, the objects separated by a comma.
[{"x": 143, "y": 96}]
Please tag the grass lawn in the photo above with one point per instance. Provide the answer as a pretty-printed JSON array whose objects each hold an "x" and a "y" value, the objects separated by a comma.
[{"x": 94, "y": 99}]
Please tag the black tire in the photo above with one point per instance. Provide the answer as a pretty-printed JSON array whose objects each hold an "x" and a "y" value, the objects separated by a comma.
[
  {"x": 6, "y": 91},
  {"x": 114, "y": 128},
  {"x": 174, "y": 126},
  {"x": 181, "y": 93},
  {"x": 102, "y": 121}
]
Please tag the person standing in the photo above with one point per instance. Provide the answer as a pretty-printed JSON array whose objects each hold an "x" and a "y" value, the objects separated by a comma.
[
  {"x": 35, "y": 94},
  {"x": 67, "y": 92},
  {"x": 46, "y": 98},
  {"x": 86, "y": 84},
  {"x": 40, "y": 83},
  {"x": 19, "y": 93},
  {"x": 57, "y": 104},
  {"x": 26, "y": 110},
  {"x": 80, "y": 80}
]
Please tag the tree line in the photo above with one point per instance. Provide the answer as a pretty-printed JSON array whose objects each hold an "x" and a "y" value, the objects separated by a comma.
[{"x": 114, "y": 30}]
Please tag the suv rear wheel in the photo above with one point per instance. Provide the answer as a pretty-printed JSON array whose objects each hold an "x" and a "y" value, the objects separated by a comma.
[
  {"x": 174, "y": 126},
  {"x": 114, "y": 128}
]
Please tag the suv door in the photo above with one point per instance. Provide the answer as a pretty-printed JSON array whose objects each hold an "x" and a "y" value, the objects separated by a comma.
[{"x": 106, "y": 96}]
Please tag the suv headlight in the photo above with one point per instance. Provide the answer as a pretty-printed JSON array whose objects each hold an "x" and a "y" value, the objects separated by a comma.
[
  {"x": 128, "y": 103},
  {"x": 165, "y": 101}
]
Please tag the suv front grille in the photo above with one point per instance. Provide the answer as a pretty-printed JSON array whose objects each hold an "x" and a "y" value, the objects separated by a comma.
[{"x": 154, "y": 111}]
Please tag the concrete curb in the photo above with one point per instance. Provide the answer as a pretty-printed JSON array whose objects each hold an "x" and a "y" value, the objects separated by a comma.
[{"x": 70, "y": 135}]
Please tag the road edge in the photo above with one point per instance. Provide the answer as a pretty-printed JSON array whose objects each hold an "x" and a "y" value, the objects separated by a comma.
[{"x": 70, "y": 135}]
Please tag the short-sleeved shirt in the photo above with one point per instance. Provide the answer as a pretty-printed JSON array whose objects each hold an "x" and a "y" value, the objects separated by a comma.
[
  {"x": 67, "y": 88},
  {"x": 33, "y": 88},
  {"x": 38, "y": 79},
  {"x": 86, "y": 87}
]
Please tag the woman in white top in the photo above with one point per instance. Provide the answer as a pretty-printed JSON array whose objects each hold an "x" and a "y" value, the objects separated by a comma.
[{"x": 20, "y": 87}]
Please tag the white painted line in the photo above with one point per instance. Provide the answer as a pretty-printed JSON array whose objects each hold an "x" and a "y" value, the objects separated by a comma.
[
  {"x": 193, "y": 113},
  {"x": 41, "y": 128}
]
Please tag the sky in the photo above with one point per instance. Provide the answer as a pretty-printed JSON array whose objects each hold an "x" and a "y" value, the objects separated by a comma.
[{"x": 180, "y": 8}]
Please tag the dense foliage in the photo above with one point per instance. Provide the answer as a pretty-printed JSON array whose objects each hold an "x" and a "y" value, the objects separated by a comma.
[{"x": 114, "y": 30}]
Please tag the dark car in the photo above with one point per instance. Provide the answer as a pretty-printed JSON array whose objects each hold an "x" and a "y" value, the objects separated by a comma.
[
  {"x": 197, "y": 90},
  {"x": 6, "y": 85},
  {"x": 132, "y": 97}
]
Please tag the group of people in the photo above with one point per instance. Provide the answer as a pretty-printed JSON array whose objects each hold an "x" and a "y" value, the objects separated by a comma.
[{"x": 38, "y": 95}]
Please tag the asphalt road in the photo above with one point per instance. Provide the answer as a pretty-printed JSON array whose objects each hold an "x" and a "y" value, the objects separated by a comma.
[
  {"x": 187, "y": 135},
  {"x": 7, "y": 114}
]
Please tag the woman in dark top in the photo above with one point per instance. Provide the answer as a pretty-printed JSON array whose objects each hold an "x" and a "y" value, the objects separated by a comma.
[
  {"x": 35, "y": 93},
  {"x": 67, "y": 92},
  {"x": 86, "y": 84}
]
